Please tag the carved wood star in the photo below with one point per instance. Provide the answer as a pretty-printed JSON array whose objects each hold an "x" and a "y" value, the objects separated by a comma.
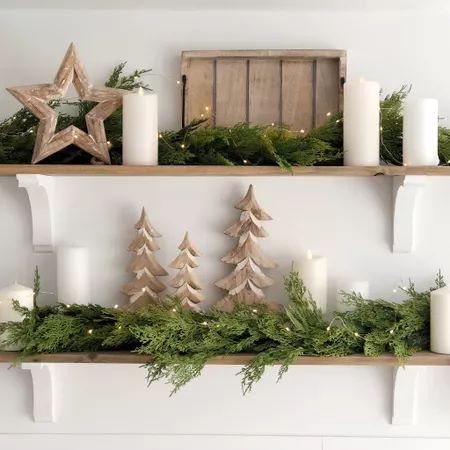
[{"x": 36, "y": 97}]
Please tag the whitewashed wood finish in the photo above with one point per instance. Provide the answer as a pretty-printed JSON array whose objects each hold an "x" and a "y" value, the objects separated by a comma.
[
  {"x": 295, "y": 87},
  {"x": 36, "y": 97}
]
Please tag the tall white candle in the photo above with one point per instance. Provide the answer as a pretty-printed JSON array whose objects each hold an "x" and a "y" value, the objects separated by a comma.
[
  {"x": 348, "y": 287},
  {"x": 313, "y": 271},
  {"x": 361, "y": 123},
  {"x": 420, "y": 132},
  {"x": 140, "y": 129},
  {"x": 73, "y": 276},
  {"x": 440, "y": 320},
  {"x": 24, "y": 295}
]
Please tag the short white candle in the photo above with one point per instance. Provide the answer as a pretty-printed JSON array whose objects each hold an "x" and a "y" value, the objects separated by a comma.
[
  {"x": 140, "y": 129},
  {"x": 440, "y": 320},
  {"x": 24, "y": 295},
  {"x": 313, "y": 271},
  {"x": 73, "y": 275},
  {"x": 420, "y": 132},
  {"x": 361, "y": 123},
  {"x": 349, "y": 287}
]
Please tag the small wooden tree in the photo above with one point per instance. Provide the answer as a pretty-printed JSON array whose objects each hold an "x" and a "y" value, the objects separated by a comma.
[
  {"x": 146, "y": 287},
  {"x": 186, "y": 283},
  {"x": 247, "y": 280}
]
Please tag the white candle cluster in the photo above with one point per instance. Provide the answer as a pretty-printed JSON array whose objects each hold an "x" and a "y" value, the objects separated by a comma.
[{"x": 362, "y": 127}]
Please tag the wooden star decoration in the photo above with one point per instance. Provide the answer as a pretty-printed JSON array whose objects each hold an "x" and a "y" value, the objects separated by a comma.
[{"x": 36, "y": 97}]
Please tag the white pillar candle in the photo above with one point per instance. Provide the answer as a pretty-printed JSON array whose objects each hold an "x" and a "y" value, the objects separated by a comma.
[
  {"x": 361, "y": 123},
  {"x": 420, "y": 132},
  {"x": 24, "y": 295},
  {"x": 349, "y": 287},
  {"x": 140, "y": 129},
  {"x": 73, "y": 279},
  {"x": 313, "y": 271},
  {"x": 440, "y": 320}
]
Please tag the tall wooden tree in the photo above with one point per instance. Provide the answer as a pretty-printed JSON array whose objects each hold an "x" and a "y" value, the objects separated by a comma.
[
  {"x": 186, "y": 282},
  {"x": 146, "y": 287},
  {"x": 247, "y": 280}
]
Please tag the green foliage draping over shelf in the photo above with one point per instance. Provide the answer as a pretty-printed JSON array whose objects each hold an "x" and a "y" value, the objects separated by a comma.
[
  {"x": 241, "y": 144},
  {"x": 180, "y": 341}
]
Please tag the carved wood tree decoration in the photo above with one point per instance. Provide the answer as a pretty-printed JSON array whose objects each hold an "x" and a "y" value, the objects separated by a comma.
[
  {"x": 186, "y": 282},
  {"x": 247, "y": 280},
  {"x": 144, "y": 289}
]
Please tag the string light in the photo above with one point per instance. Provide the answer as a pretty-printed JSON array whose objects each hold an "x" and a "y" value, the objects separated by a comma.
[
  {"x": 244, "y": 161},
  {"x": 287, "y": 329},
  {"x": 328, "y": 328},
  {"x": 205, "y": 323},
  {"x": 255, "y": 310},
  {"x": 328, "y": 114},
  {"x": 174, "y": 309},
  {"x": 119, "y": 327},
  {"x": 391, "y": 331},
  {"x": 178, "y": 82},
  {"x": 90, "y": 331},
  {"x": 394, "y": 291},
  {"x": 183, "y": 146},
  {"x": 116, "y": 306},
  {"x": 206, "y": 108},
  {"x": 356, "y": 334},
  {"x": 302, "y": 131},
  {"x": 202, "y": 115},
  {"x": 160, "y": 135},
  {"x": 272, "y": 124},
  {"x": 68, "y": 306}
]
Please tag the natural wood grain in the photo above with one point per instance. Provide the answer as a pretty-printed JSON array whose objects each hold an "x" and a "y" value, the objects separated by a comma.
[
  {"x": 264, "y": 86},
  {"x": 327, "y": 89},
  {"x": 419, "y": 359},
  {"x": 199, "y": 89},
  {"x": 297, "y": 94},
  {"x": 219, "y": 171},
  {"x": 231, "y": 92},
  {"x": 264, "y": 92}
]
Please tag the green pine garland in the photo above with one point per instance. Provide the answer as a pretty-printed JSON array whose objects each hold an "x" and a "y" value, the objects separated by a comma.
[
  {"x": 241, "y": 144},
  {"x": 180, "y": 341}
]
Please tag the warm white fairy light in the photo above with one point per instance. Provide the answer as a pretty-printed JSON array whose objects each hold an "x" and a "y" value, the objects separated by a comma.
[
  {"x": 119, "y": 327},
  {"x": 202, "y": 115},
  {"x": 356, "y": 334},
  {"x": 328, "y": 114},
  {"x": 287, "y": 329},
  {"x": 245, "y": 161},
  {"x": 302, "y": 131},
  {"x": 255, "y": 310},
  {"x": 204, "y": 323},
  {"x": 178, "y": 82},
  {"x": 328, "y": 328},
  {"x": 174, "y": 309},
  {"x": 116, "y": 306},
  {"x": 391, "y": 331},
  {"x": 68, "y": 306},
  {"x": 394, "y": 291},
  {"x": 206, "y": 108},
  {"x": 183, "y": 146},
  {"x": 90, "y": 331}
]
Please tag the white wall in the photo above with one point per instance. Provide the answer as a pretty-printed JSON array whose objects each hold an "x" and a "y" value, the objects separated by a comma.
[{"x": 346, "y": 219}]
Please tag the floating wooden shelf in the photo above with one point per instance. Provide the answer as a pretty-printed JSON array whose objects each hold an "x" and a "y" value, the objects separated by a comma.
[
  {"x": 419, "y": 359},
  {"x": 73, "y": 170}
]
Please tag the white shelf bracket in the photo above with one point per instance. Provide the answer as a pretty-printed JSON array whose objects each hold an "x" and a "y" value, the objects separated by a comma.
[
  {"x": 40, "y": 192},
  {"x": 404, "y": 396},
  {"x": 406, "y": 191},
  {"x": 43, "y": 378}
]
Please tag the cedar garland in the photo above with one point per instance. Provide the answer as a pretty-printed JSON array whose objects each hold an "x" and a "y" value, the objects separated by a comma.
[{"x": 180, "y": 340}]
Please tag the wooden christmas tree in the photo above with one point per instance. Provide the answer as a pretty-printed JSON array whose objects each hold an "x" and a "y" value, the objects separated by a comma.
[
  {"x": 186, "y": 283},
  {"x": 247, "y": 280},
  {"x": 144, "y": 289}
]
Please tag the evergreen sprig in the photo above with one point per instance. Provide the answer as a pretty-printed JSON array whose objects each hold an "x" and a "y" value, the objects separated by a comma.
[
  {"x": 179, "y": 341},
  {"x": 196, "y": 144}
]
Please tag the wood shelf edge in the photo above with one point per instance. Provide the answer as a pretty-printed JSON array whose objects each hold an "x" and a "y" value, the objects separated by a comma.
[
  {"x": 103, "y": 170},
  {"x": 418, "y": 359}
]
